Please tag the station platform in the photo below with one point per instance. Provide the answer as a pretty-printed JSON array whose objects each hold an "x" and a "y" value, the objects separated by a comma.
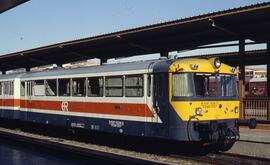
[
  {"x": 253, "y": 142},
  {"x": 260, "y": 134}
]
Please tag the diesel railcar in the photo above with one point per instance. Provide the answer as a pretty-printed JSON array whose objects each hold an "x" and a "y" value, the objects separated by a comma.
[{"x": 181, "y": 99}]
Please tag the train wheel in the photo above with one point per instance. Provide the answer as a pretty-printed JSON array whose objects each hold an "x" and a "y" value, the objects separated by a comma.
[{"x": 225, "y": 146}]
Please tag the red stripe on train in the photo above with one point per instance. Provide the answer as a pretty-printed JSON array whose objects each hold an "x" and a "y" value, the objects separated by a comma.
[{"x": 83, "y": 107}]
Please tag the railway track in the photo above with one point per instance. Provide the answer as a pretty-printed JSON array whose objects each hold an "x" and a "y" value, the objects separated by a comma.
[
  {"x": 226, "y": 159},
  {"x": 75, "y": 149},
  {"x": 116, "y": 155}
]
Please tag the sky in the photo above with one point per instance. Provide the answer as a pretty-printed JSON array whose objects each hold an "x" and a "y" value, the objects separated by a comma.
[{"x": 44, "y": 22}]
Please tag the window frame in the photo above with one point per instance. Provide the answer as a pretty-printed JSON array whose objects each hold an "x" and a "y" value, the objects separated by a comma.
[
  {"x": 33, "y": 88},
  {"x": 106, "y": 87},
  {"x": 24, "y": 89},
  {"x": 70, "y": 88},
  {"x": 84, "y": 87},
  {"x": 56, "y": 87},
  {"x": 10, "y": 90},
  {"x": 103, "y": 85},
  {"x": 142, "y": 86},
  {"x": 190, "y": 82}
]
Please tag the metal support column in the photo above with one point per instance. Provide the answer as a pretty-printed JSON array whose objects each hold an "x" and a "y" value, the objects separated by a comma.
[
  {"x": 268, "y": 79},
  {"x": 27, "y": 69},
  {"x": 241, "y": 82},
  {"x": 102, "y": 60},
  {"x": 164, "y": 54},
  {"x": 268, "y": 70}
]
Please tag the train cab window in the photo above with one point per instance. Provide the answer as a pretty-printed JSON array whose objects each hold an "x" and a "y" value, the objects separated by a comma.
[
  {"x": 228, "y": 85},
  {"x": 181, "y": 85},
  {"x": 134, "y": 86},
  {"x": 38, "y": 88},
  {"x": 114, "y": 86},
  {"x": 22, "y": 88},
  {"x": 64, "y": 87},
  {"x": 95, "y": 87},
  {"x": 78, "y": 86},
  {"x": 50, "y": 88},
  {"x": 205, "y": 85}
]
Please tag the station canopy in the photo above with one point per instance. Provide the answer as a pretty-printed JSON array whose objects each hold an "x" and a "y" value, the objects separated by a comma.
[
  {"x": 8, "y": 4},
  {"x": 249, "y": 22}
]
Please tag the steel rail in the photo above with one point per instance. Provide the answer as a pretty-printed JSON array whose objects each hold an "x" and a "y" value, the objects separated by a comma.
[
  {"x": 225, "y": 159},
  {"x": 56, "y": 145}
]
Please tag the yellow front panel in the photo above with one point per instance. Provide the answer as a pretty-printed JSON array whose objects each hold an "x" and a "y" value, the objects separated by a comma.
[
  {"x": 204, "y": 66},
  {"x": 212, "y": 110}
]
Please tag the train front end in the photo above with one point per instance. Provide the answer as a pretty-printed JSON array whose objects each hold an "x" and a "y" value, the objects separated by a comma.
[{"x": 204, "y": 98}]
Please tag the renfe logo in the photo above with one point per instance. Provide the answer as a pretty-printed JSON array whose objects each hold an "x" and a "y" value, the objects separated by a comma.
[{"x": 64, "y": 106}]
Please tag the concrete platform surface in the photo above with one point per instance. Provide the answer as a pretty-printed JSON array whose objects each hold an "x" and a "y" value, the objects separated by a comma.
[
  {"x": 261, "y": 150},
  {"x": 255, "y": 135},
  {"x": 253, "y": 142}
]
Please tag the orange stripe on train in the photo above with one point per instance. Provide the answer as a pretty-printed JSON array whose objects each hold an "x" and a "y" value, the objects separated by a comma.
[
  {"x": 10, "y": 102},
  {"x": 84, "y": 107}
]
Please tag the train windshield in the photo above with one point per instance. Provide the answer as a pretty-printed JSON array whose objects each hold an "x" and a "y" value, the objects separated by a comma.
[
  {"x": 181, "y": 85},
  {"x": 227, "y": 85},
  {"x": 204, "y": 85}
]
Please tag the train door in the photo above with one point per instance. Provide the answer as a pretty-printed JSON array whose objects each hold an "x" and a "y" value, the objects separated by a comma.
[
  {"x": 149, "y": 98},
  {"x": 1, "y": 98},
  {"x": 159, "y": 125},
  {"x": 28, "y": 96},
  {"x": 161, "y": 101},
  {"x": 23, "y": 100}
]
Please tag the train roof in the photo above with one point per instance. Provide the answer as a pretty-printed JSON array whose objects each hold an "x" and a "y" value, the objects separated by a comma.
[
  {"x": 149, "y": 66},
  {"x": 118, "y": 67}
]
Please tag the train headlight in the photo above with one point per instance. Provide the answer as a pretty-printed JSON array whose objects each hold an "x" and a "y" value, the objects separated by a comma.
[
  {"x": 194, "y": 66},
  {"x": 217, "y": 62},
  {"x": 232, "y": 69},
  {"x": 236, "y": 110},
  {"x": 198, "y": 111}
]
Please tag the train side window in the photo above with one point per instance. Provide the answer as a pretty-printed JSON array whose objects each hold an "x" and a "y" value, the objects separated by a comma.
[
  {"x": 149, "y": 85},
  {"x": 134, "y": 86},
  {"x": 155, "y": 86},
  {"x": 28, "y": 88},
  {"x": 78, "y": 86},
  {"x": 50, "y": 88},
  {"x": 38, "y": 88},
  {"x": 11, "y": 92},
  {"x": 95, "y": 87},
  {"x": 114, "y": 86},
  {"x": 23, "y": 88},
  {"x": 8, "y": 88},
  {"x": 1, "y": 87},
  {"x": 64, "y": 87}
]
